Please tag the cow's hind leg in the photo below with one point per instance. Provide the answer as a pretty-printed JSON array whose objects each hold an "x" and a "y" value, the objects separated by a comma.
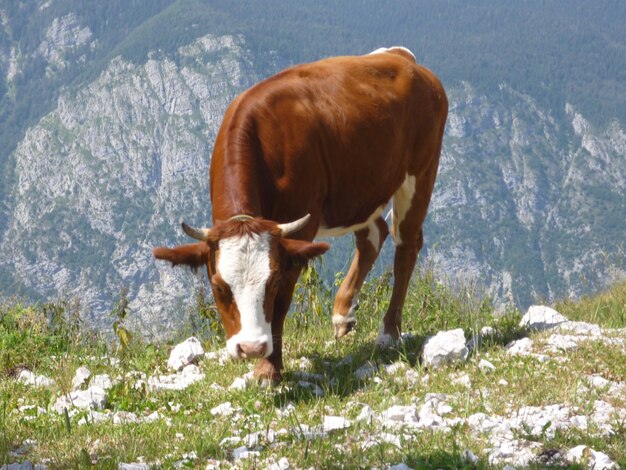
[
  {"x": 409, "y": 212},
  {"x": 369, "y": 241}
]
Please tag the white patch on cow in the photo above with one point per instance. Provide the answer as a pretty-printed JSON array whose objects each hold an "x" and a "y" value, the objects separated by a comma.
[
  {"x": 340, "y": 231},
  {"x": 244, "y": 264},
  {"x": 382, "y": 50},
  {"x": 350, "y": 317},
  {"x": 373, "y": 235},
  {"x": 402, "y": 200}
]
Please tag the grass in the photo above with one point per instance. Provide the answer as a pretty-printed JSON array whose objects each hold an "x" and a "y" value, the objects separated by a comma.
[{"x": 48, "y": 339}]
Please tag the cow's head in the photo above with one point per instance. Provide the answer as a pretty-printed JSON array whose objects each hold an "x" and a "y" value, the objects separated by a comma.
[{"x": 249, "y": 262}]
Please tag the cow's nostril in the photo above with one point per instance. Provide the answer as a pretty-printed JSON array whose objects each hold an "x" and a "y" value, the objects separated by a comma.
[{"x": 248, "y": 350}]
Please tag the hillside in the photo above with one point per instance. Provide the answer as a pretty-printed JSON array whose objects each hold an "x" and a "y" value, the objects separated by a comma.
[
  {"x": 109, "y": 116},
  {"x": 534, "y": 399}
]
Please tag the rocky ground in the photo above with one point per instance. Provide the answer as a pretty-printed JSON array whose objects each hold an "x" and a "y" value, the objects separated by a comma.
[{"x": 471, "y": 389}]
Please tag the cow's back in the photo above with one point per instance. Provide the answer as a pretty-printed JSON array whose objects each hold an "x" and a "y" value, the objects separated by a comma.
[{"x": 337, "y": 137}]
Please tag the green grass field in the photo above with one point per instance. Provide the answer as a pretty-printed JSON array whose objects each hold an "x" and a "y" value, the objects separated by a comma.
[{"x": 288, "y": 418}]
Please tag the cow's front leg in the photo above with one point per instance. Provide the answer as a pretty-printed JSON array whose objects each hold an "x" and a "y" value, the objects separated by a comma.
[{"x": 369, "y": 241}]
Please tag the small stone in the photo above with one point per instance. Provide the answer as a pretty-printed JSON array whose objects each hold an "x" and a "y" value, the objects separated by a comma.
[
  {"x": 503, "y": 382},
  {"x": 80, "y": 377},
  {"x": 461, "y": 379},
  {"x": 103, "y": 381},
  {"x": 486, "y": 366},
  {"x": 580, "y": 328},
  {"x": 225, "y": 409},
  {"x": 444, "y": 348},
  {"x": 185, "y": 353},
  {"x": 469, "y": 456},
  {"x": 333, "y": 423},
  {"x": 541, "y": 318},
  {"x": 133, "y": 466},
  {"x": 595, "y": 460},
  {"x": 400, "y": 466},
  {"x": 520, "y": 347},
  {"x": 30, "y": 378},
  {"x": 94, "y": 398},
  {"x": 366, "y": 414},
  {"x": 558, "y": 342},
  {"x": 399, "y": 414}
]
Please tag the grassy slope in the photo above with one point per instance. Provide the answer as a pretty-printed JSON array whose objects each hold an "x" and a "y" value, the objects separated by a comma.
[{"x": 57, "y": 350}]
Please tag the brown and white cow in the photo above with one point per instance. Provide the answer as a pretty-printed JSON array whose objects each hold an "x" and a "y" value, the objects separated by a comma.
[{"x": 327, "y": 145}]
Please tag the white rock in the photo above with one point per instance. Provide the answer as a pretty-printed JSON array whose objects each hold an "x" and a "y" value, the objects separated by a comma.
[
  {"x": 94, "y": 398},
  {"x": 486, "y": 366},
  {"x": 103, "y": 381},
  {"x": 382, "y": 438},
  {"x": 503, "y": 382},
  {"x": 477, "y": 340},
  {"x": 80, "y": 377},
  {"x": 399, "y": 414},
  {"x": 469, "y": 456},
  {"x": 184, "y": 353},
  {"x": 461, "y": 379},
  {"x": 444, "y": 348},
  {"x": 282, "y": 464},
  {"x": 305, "y": 363},
  {"x": 558, "y": 342},
  {"x": 179, "y": 381},
  {"x": 133, "y": 466},
  {"x": 224, "y": 409},
  {"x": 579, "y": 421},
  {"x": 400, "y": 466},
  {"x": 220, "y": 356},
  {"x": 596, "y": 460},
  {"x": 30, "y": 378},
  {"x": 540, "y": 318},
  {"x": 580, "y": 328},
  {"x": 366, "y": 414},
  {"x": 230, "y": 441},
  {"x": 520, "y": 347},
  {"x": 244, "y": 453},
  {"x": 333, "y": 423},
  {"x": 241, "y": 383}
]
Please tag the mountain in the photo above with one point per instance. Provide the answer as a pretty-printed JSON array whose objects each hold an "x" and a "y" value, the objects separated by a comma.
[{"x": 109, "y": 115}]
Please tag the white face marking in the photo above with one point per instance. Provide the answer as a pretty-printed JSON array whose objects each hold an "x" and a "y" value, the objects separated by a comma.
[
  {"x": 402, "y": 200},
  {"x": 244, "y": 264},
  {"x": 340, "y": 231}
]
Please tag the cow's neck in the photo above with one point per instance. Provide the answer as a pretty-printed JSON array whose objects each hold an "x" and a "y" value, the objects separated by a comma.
[{"x": 237, "y": 187}]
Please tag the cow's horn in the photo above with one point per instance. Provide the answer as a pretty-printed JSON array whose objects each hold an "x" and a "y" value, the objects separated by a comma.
[
  {"x": 201, "y": 234},
  {"x": 292, "y": 227}
]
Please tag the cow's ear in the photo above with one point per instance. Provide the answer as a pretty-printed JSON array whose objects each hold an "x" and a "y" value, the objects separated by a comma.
[
  {"x": 193, "y": 255},
  {"x": 302, "y": 251}
]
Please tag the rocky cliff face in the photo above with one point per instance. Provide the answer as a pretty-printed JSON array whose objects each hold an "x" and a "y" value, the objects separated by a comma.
[
  {"x": 106, "y": 176},
  {"x": 525, "y": 205},
  {"x": 528, "y": 206}
]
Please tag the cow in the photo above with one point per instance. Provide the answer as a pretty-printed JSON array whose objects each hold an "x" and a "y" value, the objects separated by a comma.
[{"x": 317, "y": 150}]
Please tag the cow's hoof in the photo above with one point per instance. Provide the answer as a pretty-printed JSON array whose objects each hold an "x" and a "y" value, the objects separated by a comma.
[
  {"x": 386, "y": 340},
  {"x": 343, "y": 329},
  {"x": 266, "y": 374}
]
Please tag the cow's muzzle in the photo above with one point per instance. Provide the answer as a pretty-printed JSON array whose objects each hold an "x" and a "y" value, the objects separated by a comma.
[{"x": 251, "y": 350}]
